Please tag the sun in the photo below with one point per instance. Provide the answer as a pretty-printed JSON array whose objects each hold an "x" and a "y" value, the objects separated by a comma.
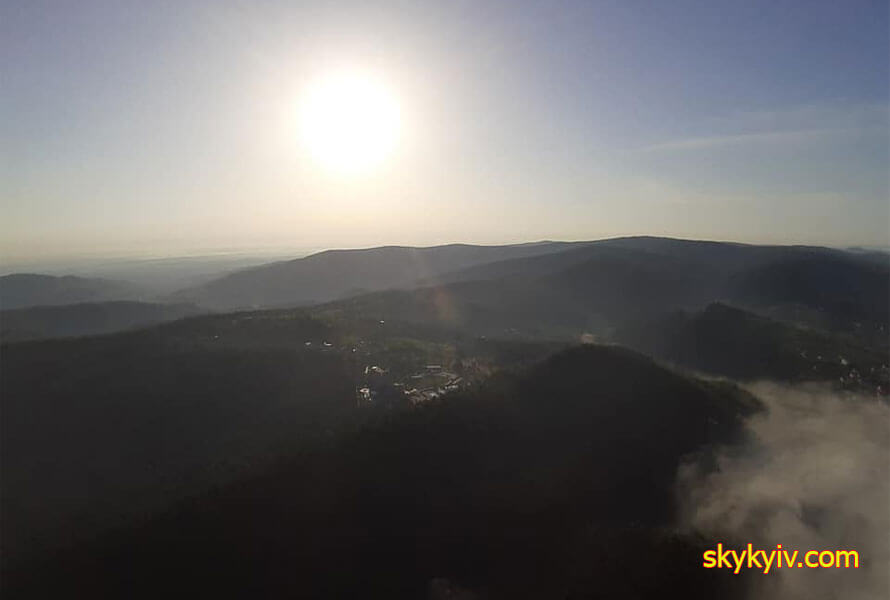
[{"x": 349, "y": 121}]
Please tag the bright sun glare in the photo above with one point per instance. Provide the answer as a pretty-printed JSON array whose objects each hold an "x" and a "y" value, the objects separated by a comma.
[{"x": 349, "y": 121}]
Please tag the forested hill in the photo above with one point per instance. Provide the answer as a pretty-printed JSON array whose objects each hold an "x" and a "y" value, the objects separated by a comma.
[
  {"x": 610, "y": 279},
  {"x": 555, "y": 482},
  {"x": 333, "y": 274},
  {"x": 728, "y": 341},
  {"x": 88, "y": 318},
  {"x": 20, "y": 290},
  {"x": 606, "y": 285}
]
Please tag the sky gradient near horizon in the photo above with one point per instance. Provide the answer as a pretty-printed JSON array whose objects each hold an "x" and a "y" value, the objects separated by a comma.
[{"x": 168, "y": 127}]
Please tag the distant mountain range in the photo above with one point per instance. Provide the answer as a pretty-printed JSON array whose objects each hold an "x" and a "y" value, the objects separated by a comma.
[
  {"x": 88, "y": 318},
  {"x": 552, "y": 288},
  {"x": 335, "y": 274},
  {"x": 20, "y": 290},
  {"x": 599, "y": 286},
  {"x": 620, "y": 275}
]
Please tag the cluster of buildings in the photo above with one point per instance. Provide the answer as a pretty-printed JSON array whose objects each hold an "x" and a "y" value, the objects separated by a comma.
[
  {"x": 430, "y": 384},
  {"x": 421, "y": 387}
]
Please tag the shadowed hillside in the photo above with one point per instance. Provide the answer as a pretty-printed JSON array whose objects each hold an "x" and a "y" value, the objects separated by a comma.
[
  {"x": 24, "y": 289},
  {"x": 607, "y": 284},
  {"x": 98, "y": 430},
  {"x": 86, "y": 319},
  {"x": 552, "y": 483},
  {"x": 841, "y": 291},
  {"x": 337, "y": 273},
  {"x": 735, "y": 343}
]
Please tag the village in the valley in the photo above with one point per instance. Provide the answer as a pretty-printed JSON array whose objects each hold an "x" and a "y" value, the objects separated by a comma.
[
  {"x": 390, "y": 371},
  {"x": 427, "y": 384}
]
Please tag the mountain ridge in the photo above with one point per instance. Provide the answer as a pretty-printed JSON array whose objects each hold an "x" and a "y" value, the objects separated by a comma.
[
  {"x": 86, "y": 318},
  {"x": 21, "y": 290},
  {"x": 334, "y": 274}
]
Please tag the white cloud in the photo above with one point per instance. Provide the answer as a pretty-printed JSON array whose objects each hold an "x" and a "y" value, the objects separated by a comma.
[
  {"x": 763, "y": 137},
  {"x": 809, "y": 123}
]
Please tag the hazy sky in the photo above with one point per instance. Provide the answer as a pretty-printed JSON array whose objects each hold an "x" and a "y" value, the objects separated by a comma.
[{"x": 169, "y": 126}]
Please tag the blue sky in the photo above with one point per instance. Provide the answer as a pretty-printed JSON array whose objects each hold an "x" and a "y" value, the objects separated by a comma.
[{"x": 164, "y": 127}]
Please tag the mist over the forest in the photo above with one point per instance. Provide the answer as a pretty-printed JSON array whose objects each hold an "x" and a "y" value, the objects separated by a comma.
[{"x": 812, "y": 475}]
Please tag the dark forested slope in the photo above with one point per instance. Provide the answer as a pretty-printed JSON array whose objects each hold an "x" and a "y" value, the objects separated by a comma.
[
  {"x": 550, "y": 484},
  {"x": 90, "y": 318},
  {"x": 25, "y": 289},
  {"x": 335, "y": 274},
  {"x": 728, "y": 341},
  {"x": 596, "y": 288},
  {"x": 97, "y": 430}
]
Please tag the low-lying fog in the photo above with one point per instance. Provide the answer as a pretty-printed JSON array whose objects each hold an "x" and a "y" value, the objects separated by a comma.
[{"x": 813, "y": 475}]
